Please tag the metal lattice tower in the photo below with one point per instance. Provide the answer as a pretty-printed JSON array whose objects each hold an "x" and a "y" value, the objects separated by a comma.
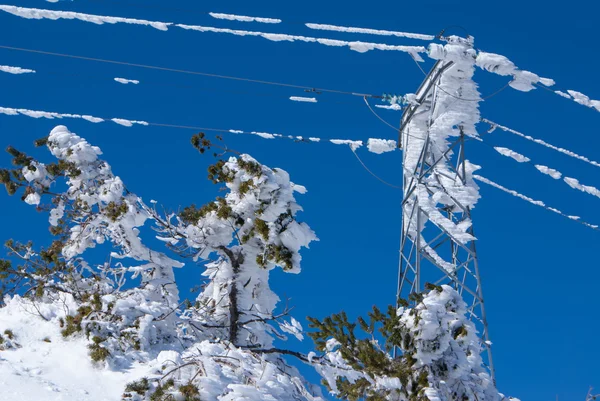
[{"x": 430, "y": 252}]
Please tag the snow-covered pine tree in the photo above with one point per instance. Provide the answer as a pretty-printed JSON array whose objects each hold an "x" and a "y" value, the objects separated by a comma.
[
  {"x": 122, "y": 321},
  {"x": 221, "y": 347},
  {"x": 438, "y": 353}
]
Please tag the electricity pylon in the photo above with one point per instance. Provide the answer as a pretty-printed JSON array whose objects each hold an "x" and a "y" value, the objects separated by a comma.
[{"x": 433, "y": 246}]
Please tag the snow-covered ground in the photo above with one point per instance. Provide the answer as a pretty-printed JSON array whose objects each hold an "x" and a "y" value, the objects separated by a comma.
[{"x": 58, "y": 370}]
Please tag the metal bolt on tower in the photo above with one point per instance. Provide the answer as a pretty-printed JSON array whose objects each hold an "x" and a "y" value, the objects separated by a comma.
[{"x": 437, "y": 239}]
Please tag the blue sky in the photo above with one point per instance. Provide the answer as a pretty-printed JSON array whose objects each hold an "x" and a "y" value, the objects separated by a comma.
[{"x": 540, "y": 271}]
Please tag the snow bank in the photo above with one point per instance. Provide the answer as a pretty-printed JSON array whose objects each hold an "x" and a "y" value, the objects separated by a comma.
[
  {"x": 243, "y": 18},
  {"x": 15, "y": 70}
]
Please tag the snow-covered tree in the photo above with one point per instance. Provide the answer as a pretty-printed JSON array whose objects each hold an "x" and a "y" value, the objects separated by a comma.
[
  {"x": 94, "y": 208},
  {"x": 221, "y": 346},
  {"x": 438, "y": 353}
]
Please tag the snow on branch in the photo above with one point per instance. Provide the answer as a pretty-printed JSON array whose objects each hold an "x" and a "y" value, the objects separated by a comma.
[
  {"x": 243, "y": 18},
  {"x": 361, "y": 47},
  {"x": 15, "y": 70},
  {"x": 541, "y": 142},
  {"x": 335, "y": 28},
  {"x": 532, "y": 201}
]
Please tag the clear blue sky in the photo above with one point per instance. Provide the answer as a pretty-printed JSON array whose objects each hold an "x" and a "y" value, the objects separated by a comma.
[{"x": 540, "y": 271}]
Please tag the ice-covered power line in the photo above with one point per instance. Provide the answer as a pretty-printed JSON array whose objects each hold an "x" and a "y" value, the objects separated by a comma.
[
  {"x": 311, "y": 89},
  {"x": 243, "y": 18},
  {"x": 570, "y": 181},
  {"x": 375, "y": 145},
  {"x": 532, "y": 201},
  {"x": 358, "y": 46},
  {"x": 15, "y": 70},
  {"x": 368, "y": 31},
  {"x": 539, "y": 142}
]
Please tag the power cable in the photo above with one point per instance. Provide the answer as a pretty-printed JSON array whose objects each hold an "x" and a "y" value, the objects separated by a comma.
[
  {"x": 181, "y": 71},
  {"x": 372, "y": 173}
]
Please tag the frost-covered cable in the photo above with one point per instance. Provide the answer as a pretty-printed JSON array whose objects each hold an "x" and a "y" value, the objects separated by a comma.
[
  {"x": 181, "y": 71},
  {"x": 570, "y": 181},
  {"x": 358, "y": 46},
  {"x": 244, "y": 18},
  {"x": 532, "y": 201},
  {"x": 376, "y": 145},
  {"x": 539, "y": 142},
  {"x": 368, "y": 31}
]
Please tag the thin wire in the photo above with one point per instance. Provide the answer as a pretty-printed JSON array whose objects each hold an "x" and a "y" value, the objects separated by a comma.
[
  {"x": 380, "y": 118},
  {"x": 153, "y": 67},
  {"x": 373, "y": 174},
  {"x": 104, "y": 79}
]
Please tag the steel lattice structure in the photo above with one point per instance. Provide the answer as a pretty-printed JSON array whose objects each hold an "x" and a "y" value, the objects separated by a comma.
[{"x": 434, "y": 255}]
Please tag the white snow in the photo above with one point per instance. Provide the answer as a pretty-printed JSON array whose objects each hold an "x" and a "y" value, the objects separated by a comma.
[
  {"x": 584, "y": 100},
  {"x": 15, "y": 70},
  {"x": 46, "y": 366},
  {"x": 264, "y": 135},
  {"x": 543, "y": 143},
  {"x": 395, "y": 106},
  {"x": 335, "y": 28},
  {"x": 547, "y": 81},
  {"x": 380, "y": 146},
  {"x": 549, "y": 171},
  {"x": 353, "y": 144},
  {"x": 303, "y": 99},
  {"x": 313, "y": 139},
  {"x": 574, "y": 183},
  {"x": 495, "y": 63},
  {"x": 36, "y": 13},
  {"x": 360, "y": 47},
  {"x": 530, "y": 200},
  {"x": 127, "y": 81},
  {"x": 243, "y": 18},
  {"x": 128, "y": 123},
  {"x": 512, "y": 154}
]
